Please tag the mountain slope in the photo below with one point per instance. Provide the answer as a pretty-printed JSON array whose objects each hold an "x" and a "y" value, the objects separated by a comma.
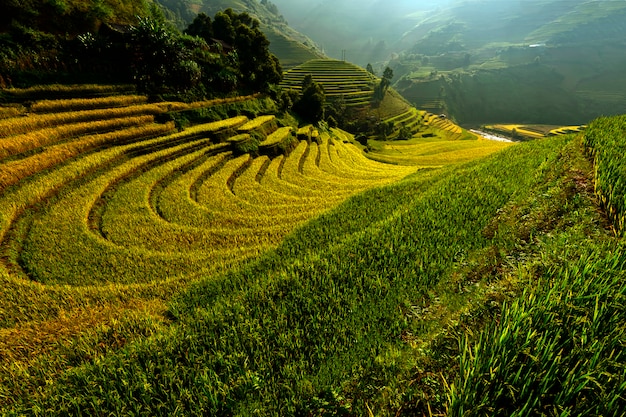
[
  {"x": 70, "y": 17},
  {"x": 290, "y": 46},
  {"x": 375, "y": 305},
  {"x": 532, "y": 61}
]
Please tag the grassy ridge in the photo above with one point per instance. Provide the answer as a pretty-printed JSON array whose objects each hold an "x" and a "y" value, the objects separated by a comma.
[
  {"x": 605, "y": 143},
  {"x": 358, "y": 312},
  {"x": 322, "y": 323},
  {"x": 557, "y": 348},
  {"x": 96, "y": 232}
]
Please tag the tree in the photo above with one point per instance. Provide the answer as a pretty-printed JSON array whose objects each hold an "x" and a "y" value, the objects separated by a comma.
[
  {"x": 202, "y": 26},
  {"x": 307, "y": 81},
  {"x": 311, "y": 103},
  {"x": 405, "y": 133},
  {"x": 388, "y": 74},
  {"x": 383, "y": 86},
  {"x": 370, "y": 69},
  {"x": 255, "y": 67},
  {"x": 223, "y": 27},
  {"x": 162, "y": 61}
]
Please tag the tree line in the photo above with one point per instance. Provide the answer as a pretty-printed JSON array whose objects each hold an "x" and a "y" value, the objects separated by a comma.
[{"x": 210, "y": 57}]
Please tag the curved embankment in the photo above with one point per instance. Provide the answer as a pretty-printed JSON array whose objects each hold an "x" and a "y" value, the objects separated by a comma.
[
  {"x": 359, "y": 309},
  {"x": 105, "y": 213},
  {"x": 366, "y": 306}
]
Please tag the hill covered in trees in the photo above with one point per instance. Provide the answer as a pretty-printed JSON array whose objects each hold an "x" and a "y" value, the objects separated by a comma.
[
  {"x": 40, "y": 37},
  {"x": 219, "y": 55}
]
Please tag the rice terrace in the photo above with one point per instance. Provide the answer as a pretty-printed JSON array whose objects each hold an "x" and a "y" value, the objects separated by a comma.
[{"x": 222, "y": 237}]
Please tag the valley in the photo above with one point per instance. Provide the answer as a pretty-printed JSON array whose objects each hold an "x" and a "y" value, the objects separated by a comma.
[{"x": 201, "y": 213}]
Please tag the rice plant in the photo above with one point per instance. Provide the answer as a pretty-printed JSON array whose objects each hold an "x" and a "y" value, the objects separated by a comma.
[
  {"x": 62, "y": 105},
  {"x": 604, "y": 140}
]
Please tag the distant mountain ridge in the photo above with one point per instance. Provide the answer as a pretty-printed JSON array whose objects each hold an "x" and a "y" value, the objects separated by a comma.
[{"x": 483, "y": 61}]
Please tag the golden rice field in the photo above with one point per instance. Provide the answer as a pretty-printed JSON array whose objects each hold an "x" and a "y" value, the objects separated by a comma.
[
  {"x": 340, "y": 79},
  {"x": 106, "y": 214},
  {"x": 434, "y": 152}
]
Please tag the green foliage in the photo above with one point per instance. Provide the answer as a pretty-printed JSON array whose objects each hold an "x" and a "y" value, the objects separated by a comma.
[
  {"x": 154, "y": 55},
  {"x": 383, "y": 85},
  {"x": 311, "y": 103},
  {"x": 317, "y": 325},
  {"x": 255, "y": 66},
  {"x": 604, "y": 140},
  {"x": 161, "y": 58},
  {"x": 405, "y": 133},
  {"x": 555, "y": 349}
]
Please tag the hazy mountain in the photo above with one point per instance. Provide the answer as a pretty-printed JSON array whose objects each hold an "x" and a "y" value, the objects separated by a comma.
[
  {"x": 373, "y": 30},
  {"x": 548, "y": 61},
  {"x": 365, "y": 31}
]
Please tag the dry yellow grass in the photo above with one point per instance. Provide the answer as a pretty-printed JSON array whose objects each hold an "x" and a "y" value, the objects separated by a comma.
[
  {"x": 513, "y": 129},
  {"x": 21, "y": 125},
  {"x": 256, "y": 123},
  {"x": 76, "y": 104},
  {"x": 43, "y": 137},
  {"x": 10, "y": 111},
  {"x": 14, "y": 171},
  {"x": 277, "y": 137}
]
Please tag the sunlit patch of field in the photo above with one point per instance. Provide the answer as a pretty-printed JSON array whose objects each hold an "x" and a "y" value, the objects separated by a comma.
[
  {"x": 434, "y": 153},
  {"x": 533, "y": 131},
  {"x": 565, "y": 130},
  {"x": 513, "y": 129},
  {"x": 341, "y": 80}
]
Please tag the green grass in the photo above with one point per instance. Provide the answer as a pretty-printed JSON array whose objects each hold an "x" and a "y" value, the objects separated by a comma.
[
  {"x": 604, "y": 140},
  {"x": 290, "y": 52},
  {"x": 171, "y": 276},
  {"x": 326, "y": 322},
  {"x": 555, "y": 349}
]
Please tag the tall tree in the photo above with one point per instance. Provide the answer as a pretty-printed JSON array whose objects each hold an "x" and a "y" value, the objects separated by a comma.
[
  {"x": 388, "y": 75},
  {"x": 202, "y": 26},
  {"x": 312, "y": 101},
  {"x": 162, "y": 60},
  {"x": 252, "y": 63}
]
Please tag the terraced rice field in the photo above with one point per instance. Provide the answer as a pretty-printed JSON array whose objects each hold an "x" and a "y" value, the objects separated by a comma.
[
  {"x": 534, "y": 131},
  {"x": 104, "y": 217},
  {"x": 434, "y": 152},
  {"x": 425, "y": 123},
  {"x": 340, "y": 79}
]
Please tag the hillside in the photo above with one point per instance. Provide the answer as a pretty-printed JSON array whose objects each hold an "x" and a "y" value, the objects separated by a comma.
[
  {"x": 365, "y": 31},
  {"x": 209, "y": 236},
  {"x": 350, "y": 93},
  {"x": 536, "y": 61},
  {"x": 290, "y": 46},
  {"x": 553, "y": 62},
  {"x": 197, "y": 272},
  {"x": 40, "y": 38}
]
